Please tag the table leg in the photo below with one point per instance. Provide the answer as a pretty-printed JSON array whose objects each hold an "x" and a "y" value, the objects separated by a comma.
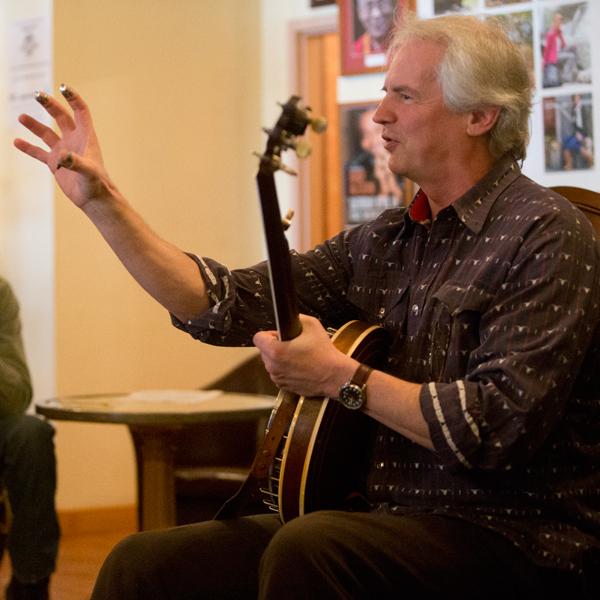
[{"x": 156, "y": 482}]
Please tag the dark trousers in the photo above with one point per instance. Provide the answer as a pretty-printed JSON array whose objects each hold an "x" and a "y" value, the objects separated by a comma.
[
  {"x": 327, "y": 555},
  {"x": 28, "y": 471}
]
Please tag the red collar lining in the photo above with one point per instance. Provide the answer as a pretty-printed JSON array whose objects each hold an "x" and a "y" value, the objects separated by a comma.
[{"x": 420, "y": 211}]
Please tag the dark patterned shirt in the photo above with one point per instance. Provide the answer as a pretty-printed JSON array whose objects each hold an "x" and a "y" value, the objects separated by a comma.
[{"x": 494, "y": 307}]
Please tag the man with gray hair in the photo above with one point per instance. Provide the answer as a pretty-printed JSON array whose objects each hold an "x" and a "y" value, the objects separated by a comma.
[{"x": 483, "y": 475}]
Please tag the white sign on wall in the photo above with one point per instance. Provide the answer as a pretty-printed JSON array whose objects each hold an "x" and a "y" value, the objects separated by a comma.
[{"x": 29, "y": 61}]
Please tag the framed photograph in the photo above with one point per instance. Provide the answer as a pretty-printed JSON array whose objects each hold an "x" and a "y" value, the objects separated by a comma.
[
  {"x": 369, "y": 187},
  {"x": 568, "y": 132},
  {"x": 442, "y": 7},
  {"x": 494, "y": 3},
  {"x": 565, "y": 45},
  {"x": 365, "y": 28},
  {"x": 519, "y": 27}
]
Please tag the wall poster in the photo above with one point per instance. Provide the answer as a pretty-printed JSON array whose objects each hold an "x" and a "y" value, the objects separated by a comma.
[
  {"x": 365, "y": 28},
  {"x": 369, "y": 187}
]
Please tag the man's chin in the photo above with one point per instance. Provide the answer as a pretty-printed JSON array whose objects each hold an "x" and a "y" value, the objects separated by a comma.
[{"x": 398, "y": 167}]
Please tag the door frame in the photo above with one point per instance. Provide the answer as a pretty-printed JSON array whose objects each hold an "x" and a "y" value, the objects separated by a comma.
[{"x": 299, "y": 32}]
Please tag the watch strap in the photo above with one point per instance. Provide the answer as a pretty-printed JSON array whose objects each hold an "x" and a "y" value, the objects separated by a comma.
[{"x": 361, "y": 375}]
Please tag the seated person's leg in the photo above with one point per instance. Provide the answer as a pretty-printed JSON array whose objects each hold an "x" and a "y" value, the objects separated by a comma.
[
  {"x": 29, "y": 475},
  {"x": 328, "y": 554},
  {"x": 333, "y": 554},
  {"x": 212, "y": 559}
]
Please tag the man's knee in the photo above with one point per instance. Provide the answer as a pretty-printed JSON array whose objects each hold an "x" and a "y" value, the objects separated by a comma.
[
  {"x": 122, "y": 570},
  {"x": 305, "y": 536},
  {"x": 119, "y": 560},
  {"x": 307, "y": 558}
]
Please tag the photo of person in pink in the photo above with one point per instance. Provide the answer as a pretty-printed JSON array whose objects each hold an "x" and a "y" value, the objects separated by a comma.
[
  {"x": 565, "y": 45},
  {"x": 554, "y": 37}
]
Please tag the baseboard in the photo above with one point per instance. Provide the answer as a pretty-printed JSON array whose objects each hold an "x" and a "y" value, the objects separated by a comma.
[{"x": 84, "y": 521}]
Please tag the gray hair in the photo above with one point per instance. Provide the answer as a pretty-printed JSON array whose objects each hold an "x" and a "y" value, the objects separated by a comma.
[{"x": 481, "y": 67}]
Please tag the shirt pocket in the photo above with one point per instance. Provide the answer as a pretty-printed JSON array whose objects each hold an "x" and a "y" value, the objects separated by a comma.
[
  {"x": 456, "y": 320},
  {"x": 381, "y": 304}
]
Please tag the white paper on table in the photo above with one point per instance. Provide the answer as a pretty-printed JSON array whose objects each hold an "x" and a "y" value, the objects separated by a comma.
[{"x": 180, "y": 396}]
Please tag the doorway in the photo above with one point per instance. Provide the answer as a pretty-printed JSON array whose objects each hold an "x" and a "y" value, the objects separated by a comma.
[{"x": 320, "y": 184}]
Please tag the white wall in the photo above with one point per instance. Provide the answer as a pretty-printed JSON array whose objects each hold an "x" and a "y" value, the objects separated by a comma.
[{"x": 26, "y": 190}]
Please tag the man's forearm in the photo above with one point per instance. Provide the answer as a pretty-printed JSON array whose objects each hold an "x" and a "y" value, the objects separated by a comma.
[
  {"x": 395, "y": 403},
  {"x": 162, "y": 269}
]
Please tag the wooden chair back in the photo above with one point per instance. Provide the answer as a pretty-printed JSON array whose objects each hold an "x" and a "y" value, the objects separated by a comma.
[{"x": 586, "y": 200}]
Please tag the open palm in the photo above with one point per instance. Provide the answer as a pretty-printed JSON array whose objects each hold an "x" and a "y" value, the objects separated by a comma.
[{"x": 73, "y": 154}]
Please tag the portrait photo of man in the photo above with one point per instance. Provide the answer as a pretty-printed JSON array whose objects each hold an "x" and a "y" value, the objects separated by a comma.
[
  {"x": 366, "y": 27},
  {"x": 374, "y": 20}
]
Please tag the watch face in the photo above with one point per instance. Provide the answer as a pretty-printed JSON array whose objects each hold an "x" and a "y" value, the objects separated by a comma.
[{"x": 351, "y": 396}]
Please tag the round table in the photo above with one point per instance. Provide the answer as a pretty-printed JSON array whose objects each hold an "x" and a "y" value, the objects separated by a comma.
[{"x": 153, "y": 418}]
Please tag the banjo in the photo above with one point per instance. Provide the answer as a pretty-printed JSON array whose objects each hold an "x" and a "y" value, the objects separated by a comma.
[{"x": 315, "y": 451}]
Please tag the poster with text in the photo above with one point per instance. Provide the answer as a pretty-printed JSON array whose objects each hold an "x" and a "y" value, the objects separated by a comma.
[{"x": 369, "y": 185}]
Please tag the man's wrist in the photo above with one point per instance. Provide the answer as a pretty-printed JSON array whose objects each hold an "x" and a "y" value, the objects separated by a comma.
[
  {"x": 353, "y": 393},
  {"x": 341, "y": 375}
]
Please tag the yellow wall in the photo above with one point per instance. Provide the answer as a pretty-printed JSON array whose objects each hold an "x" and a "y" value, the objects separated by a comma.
[
  {"x": 179, "y": 90},
  {"x": 174, "y": 88}
]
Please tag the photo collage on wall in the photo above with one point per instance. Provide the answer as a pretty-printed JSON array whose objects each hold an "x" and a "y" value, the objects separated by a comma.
[{"x": 555, "y": 37}]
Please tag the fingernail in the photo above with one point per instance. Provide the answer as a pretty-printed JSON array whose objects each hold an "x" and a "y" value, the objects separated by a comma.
[
  {"x": 41, "y": 97},
  {"x": 66, "y": 162},
  {"x": 66, "y": 91}
]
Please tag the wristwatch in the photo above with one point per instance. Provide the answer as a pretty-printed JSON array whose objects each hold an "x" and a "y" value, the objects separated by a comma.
[{"x": 353, "y": 394}]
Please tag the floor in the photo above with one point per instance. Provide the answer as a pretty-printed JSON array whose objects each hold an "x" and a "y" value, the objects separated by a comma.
[{"x": 79, "y": 561}]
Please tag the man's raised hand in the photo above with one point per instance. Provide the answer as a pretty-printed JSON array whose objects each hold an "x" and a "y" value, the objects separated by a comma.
[{"x": 73, "y": 154}]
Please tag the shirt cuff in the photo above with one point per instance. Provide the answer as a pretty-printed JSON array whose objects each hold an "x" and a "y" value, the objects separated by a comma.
[{"x": 450, "y": 411}]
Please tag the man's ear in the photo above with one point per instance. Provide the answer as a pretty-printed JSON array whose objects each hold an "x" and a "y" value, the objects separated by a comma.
[{"x": 480, "y": 121}]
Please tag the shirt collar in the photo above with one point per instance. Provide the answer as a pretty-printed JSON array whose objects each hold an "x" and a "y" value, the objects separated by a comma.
[{"x": 473, "y": 207}]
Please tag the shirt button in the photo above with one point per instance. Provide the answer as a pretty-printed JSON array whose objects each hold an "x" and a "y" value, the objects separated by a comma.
[
  {"x": 415, "y": 309},
  {"x": 381, "y": 311}
]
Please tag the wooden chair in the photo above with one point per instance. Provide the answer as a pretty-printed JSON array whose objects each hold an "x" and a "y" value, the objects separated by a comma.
[
  {"x": 204, "y": 480},
  {"x": 586, "y": 200}
]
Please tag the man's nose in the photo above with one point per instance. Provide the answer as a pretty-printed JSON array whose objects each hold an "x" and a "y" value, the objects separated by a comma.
[{"x": 381, "y": 114}]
